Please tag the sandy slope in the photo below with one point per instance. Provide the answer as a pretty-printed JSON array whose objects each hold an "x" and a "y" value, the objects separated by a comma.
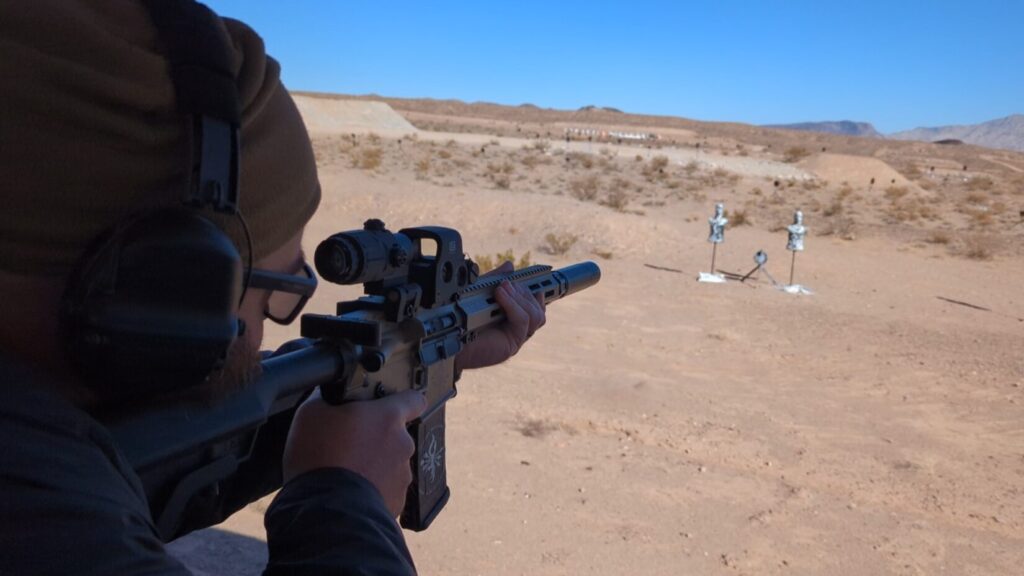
[
  {"x": 869, "y": 429},
  {"x": 857, "y": 170},
  {"x": 661, "y": 426}
]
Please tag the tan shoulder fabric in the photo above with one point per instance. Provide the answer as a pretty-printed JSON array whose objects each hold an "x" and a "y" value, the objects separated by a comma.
[{"x": 89, "y": 133}]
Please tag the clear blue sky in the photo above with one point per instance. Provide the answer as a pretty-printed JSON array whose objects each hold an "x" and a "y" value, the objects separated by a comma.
[{"x": 897, "y": 64}]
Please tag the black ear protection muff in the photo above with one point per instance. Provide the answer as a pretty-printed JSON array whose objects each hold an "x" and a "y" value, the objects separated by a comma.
[{"x": 153, "y": 304}]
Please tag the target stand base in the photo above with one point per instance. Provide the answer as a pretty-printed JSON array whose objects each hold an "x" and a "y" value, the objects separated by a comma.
[
  {"x": 796, "y": 289},
  {"x": 711, "y": 278}
]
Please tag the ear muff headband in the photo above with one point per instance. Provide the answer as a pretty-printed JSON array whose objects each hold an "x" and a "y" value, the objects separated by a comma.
[{"x": 153, "y": 303}]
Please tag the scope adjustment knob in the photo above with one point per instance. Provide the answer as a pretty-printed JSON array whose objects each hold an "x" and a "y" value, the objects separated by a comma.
[
  {"x": 373, "y": 361},
  {"x": 398, "y": 257},
  {"x": 373, "y": 225}
]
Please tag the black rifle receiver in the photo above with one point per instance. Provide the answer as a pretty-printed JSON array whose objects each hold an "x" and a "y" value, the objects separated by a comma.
[{"x": 423, "y": 303}]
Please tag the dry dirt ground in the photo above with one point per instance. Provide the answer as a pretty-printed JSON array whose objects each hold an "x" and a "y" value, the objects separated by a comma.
[{"x": 662, "y": 426}]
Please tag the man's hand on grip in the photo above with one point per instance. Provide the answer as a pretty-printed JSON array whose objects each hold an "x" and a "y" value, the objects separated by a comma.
[{"x": 368, "y": 438}]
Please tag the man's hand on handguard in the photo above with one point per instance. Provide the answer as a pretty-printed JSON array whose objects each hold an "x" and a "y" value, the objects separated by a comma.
[
  {"x": 524, "y": 314},
  {"x": 368, "y": 438}
]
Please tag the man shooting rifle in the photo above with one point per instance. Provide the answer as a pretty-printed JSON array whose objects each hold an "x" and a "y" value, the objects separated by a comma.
[{"x": 157, "y": 180}]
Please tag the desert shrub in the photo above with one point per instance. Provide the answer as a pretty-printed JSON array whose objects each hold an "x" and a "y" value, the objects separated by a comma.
[
  {"x": 558, "y": 244},
  {"x": 811, "y": 184},
  {"x": 795, "y": 154},
  {"x": 896, "y": 192},
  {"x": 422, "y": 167},
  {"x": 621, "y": 184},
  {"x": 841, "y": 227},
  {"x": 691, "y": 167},
  {"x": 977, "y": 198},
  {"x": 727, "y": 176},
  {"x": 1017, "y": 186},
  {"x": 585, "y": 188},
  {"x": 655, "y": 169},
  {"x": 739, "y": 218},
  {"x": 938, "y": 237},
  {"x": 978, "y": 248},
  {"x": 487, "y": 262},
  {"x": 603, "y": 254},
  {"x": 367, "y": 158},
  {"x": 979, "y": 183},
  {"x": 373, "y": 138},
  {"x": 911, "y": 210},
  {"x": 444, "y": 154},
  {"x": 500, "y": 174},
  {"x": 834, "y": 208},
  {"x": 541, "y": 145},
  {"x": 617, "y": 199},
  {"x": 530, "y": 161},
  {"x": 982, "y": 218}
]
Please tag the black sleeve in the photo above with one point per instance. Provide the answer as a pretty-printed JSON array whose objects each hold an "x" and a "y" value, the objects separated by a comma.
[
  {"x": 67, "y": 506},
  {"x": 334, "y": 521}
]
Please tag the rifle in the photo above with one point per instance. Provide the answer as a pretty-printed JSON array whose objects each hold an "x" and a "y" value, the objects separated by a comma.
[{"x": 424, "y": 301}]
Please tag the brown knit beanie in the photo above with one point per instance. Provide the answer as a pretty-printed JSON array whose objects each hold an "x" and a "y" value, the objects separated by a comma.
[{"x": 89, "y": 133}]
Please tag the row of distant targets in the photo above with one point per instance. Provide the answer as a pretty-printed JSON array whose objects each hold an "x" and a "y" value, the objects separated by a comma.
[{"x": 795, "y": 243}]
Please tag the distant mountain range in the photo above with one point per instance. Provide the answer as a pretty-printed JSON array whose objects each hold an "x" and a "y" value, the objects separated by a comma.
[
  {"x": 1006, "y": 133},
  {"x": 844, "y": 127}
]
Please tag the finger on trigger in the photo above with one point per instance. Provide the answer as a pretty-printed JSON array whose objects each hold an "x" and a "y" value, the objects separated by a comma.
[{"x": 407, "y": 405}]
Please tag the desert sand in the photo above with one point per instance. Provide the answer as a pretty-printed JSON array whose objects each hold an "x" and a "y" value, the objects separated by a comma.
[{"x": 661, "y": 426}]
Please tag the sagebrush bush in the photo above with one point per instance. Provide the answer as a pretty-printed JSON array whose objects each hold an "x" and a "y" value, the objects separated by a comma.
[
  {"x": 616, "y": 199},
  {"x": 368, "y": 158},
  {"x": 795, "y": 154},
  {"x": 585, "y": 188},
  {"x": 558, "y": 244},
  {"x": 488, "y": 263},
  {"x": 739, "y": 218}
]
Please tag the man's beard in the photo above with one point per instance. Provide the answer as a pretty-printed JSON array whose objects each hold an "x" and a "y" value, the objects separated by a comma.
[{"x": 241, "y": 367}]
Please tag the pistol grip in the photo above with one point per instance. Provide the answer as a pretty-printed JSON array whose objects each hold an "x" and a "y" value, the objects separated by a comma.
[{"x": 429, "y": 491}]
